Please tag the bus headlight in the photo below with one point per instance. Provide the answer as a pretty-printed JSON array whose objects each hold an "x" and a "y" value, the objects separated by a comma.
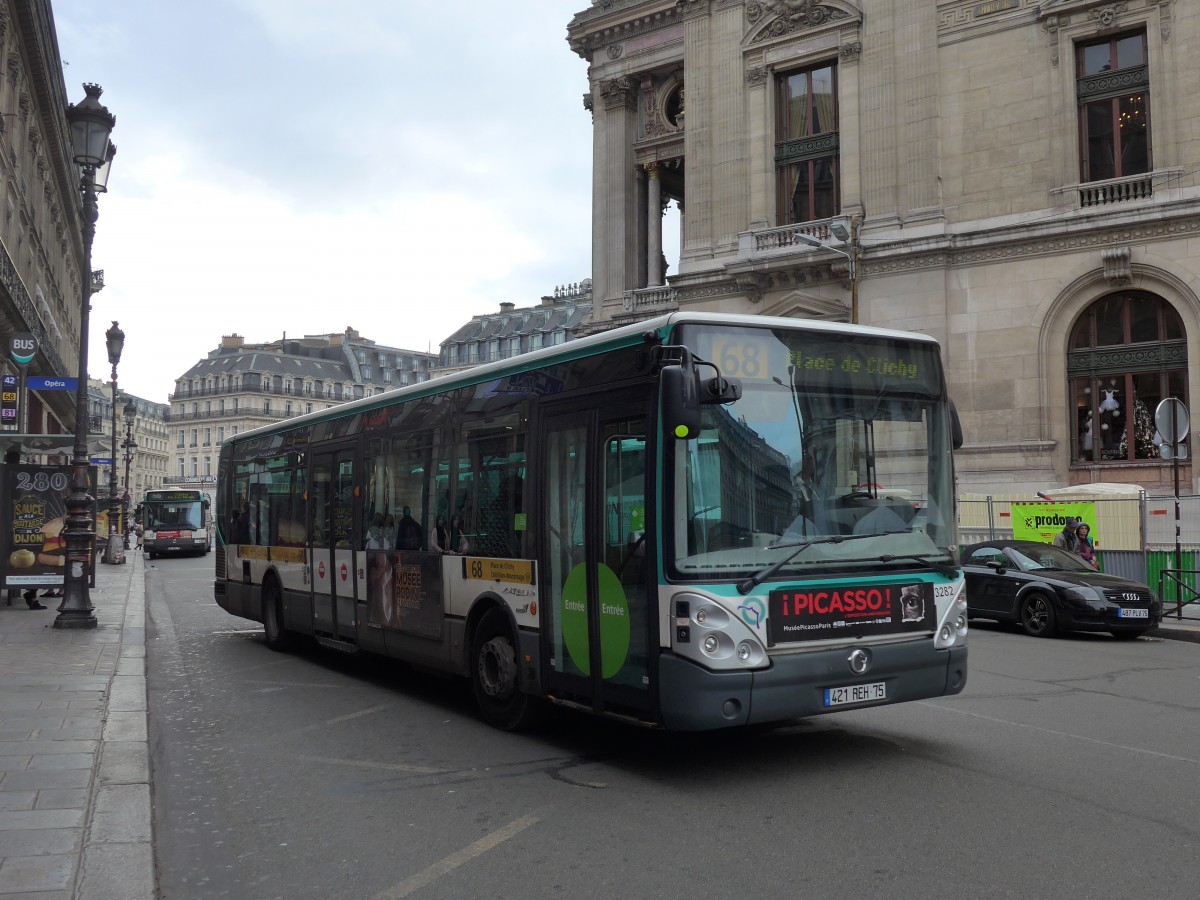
[
  {"x": 713, "y": 636},
  {"x": 952, "y": 630}
]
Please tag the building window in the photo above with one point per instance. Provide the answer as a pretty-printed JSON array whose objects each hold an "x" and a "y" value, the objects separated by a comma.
[
  {"x": 806, "y": 144},
  {"x": 181, "y": 467},
  {"x": 1128, "y": 352},
  {"x": 267, "y": 406},
  {"x": 207, "y": 465},
  {"x": 207, "y": 436},
  {"x": 1113, "y": 92},
  {"x": 308, "y": 407},
  {"x": 287, "y": 407},
  {"x": 181, "y": 437},
  {"x": 195, "y": 436},
  {"x": 195, "y": 468},
  {"x": 220, "y": 433}
]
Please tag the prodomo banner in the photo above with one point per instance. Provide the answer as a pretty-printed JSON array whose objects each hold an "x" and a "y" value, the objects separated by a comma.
[{"x": 1042, "y": 520}]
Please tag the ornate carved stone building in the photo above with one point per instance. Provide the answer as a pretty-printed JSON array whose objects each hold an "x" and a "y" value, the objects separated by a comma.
[
  {"x": 41, "y": 242},
  {"x": 1018, "y": 178}
]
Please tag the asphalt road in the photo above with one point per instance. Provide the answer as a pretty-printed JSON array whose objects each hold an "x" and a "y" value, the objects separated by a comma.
[{"x": 1067, "y": 769}]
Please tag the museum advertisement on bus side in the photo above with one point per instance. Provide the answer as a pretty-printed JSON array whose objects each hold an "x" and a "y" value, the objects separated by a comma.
[
  {"x": 849, "y": 610},
  {"x": 32, "y": 545}
]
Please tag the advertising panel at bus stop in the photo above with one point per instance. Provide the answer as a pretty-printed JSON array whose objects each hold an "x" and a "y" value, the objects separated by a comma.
[{"x": 32, "y": 547}]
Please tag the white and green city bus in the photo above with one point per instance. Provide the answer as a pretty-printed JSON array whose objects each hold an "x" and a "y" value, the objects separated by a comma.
[
  {"x": 698, "y": 521},
  {"x": 176, "y": 521}
]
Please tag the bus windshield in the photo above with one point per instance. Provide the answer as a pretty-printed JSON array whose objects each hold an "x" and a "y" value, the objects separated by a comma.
[
  {"x": 832, "y": 438},
  {"x": 182, "y": 515}
]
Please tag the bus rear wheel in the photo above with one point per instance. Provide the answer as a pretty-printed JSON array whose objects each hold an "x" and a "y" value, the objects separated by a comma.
[
  {"x": 274, "y": 634},
  {"x": 495, "y": 676}
]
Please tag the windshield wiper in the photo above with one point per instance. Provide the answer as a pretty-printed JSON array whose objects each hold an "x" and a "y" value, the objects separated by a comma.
[
  {"x": 745, "y": 587},
  {"x": 941, "y": 568}
]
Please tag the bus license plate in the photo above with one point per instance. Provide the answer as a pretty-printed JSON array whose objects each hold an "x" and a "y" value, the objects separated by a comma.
[
  {"x": 1123, "y": 613},
  {"x": 856, "y": 693}
]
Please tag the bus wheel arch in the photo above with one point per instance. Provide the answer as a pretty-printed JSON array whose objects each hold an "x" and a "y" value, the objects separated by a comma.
[
  {"x": 494, "y": 669},
  {"x": 274, "y": 634}
]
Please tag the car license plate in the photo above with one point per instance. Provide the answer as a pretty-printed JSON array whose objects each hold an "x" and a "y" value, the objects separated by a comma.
[
  {"x": 1124, "y": 613},
  {"x": 856, "y": 693}
]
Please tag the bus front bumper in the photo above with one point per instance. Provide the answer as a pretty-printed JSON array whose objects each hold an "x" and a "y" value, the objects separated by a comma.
[{"x": 696, "y": 699}]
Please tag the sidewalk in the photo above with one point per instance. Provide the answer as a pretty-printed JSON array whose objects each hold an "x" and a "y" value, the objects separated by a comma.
[
  {"x": 1185, "y": 629},
  {"x": 75, "y": 818}
]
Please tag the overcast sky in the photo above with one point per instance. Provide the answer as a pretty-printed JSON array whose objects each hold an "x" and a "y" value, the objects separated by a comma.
[{"x": 302, "y": 166}]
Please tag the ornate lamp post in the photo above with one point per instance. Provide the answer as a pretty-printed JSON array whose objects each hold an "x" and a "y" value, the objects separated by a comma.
[
  {"x": 91, "y": 125},
  {"x": 130, "y": 445},
  {"x": 114, "y": 340}
]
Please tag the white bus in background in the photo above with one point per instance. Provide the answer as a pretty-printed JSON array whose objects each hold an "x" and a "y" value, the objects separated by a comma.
[{"x": 176, "y": 521}]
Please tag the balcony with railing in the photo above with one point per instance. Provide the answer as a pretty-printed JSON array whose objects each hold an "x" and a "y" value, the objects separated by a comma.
[
  {"x": 782, "y": 240},
  {"x": 650, "y": 299}
]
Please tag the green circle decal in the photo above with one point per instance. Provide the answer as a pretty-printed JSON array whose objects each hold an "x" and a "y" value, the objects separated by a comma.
[{"x": 614, "y": 620}]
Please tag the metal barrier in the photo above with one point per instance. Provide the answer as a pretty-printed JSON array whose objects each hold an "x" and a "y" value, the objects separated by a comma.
[
  {"x": 1136, "y": 537},
  {"x": 1173, "y": 576}
]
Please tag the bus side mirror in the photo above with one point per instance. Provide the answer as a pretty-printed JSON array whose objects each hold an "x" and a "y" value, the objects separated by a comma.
[
  {"x": 681, "y": 399},
  {"x": 956, "y": 432}
]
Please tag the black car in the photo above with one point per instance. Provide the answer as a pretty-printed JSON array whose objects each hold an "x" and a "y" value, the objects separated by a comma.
[{"x": 1044, "y": 589}]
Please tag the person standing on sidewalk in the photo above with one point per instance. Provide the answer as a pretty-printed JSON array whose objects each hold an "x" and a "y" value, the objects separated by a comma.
[{"x": 1066, "y": 537}]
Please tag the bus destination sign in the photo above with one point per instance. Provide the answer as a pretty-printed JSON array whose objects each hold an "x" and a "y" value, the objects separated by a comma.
[{"x": 849, "y": 610}]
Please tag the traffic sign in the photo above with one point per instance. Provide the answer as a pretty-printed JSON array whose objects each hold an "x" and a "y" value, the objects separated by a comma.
[{"x": 1172, "y": 420}]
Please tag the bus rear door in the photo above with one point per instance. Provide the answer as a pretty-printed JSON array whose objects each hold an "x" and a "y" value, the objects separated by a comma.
[{"x": 332, "y": 507}]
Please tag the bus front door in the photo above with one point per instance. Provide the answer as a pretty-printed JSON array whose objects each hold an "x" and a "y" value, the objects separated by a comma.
[
  {"x": 331, "y": 505},
  {"x": 598, "y": 624}
]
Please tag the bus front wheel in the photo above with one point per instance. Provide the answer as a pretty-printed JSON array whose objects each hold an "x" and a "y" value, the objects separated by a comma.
[{"x": 495, "y": 677}]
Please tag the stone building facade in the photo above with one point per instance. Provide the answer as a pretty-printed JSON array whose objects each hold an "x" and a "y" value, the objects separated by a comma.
[
  {"x": 1018, "y": 178},
  {"x": 149, "y": 463},
  {"x": 515, "y": 330},
  {"x": 240, "y": 386},
  {"x": 41, "y": 244}
]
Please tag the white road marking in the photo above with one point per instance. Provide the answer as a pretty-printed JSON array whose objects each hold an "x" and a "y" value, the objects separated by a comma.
[
  {"x": 365, "y": 764},
  {"x": 454, "y": 860},
  {"x": 339, "y": 719}
]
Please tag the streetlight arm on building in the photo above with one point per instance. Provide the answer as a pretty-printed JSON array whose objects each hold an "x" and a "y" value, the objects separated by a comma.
[{"x": 848, "y": 236}]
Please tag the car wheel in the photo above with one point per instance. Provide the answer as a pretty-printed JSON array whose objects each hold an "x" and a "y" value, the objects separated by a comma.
[
  {"x": 1128, "y": 635},
  {"x": 495, "y": 677},
  {"x": 1037, "y": 616}
]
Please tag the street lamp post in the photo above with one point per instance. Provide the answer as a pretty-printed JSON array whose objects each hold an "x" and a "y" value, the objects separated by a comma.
[
  {"x": 91, "y": 125},
  {"x": 845, "y": 231},
  {"x": 114, "y": 340},
  {"x": 130, "y": 445}
]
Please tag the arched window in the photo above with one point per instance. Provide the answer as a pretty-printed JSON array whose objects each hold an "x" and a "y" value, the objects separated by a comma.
[{"x": 1128, "y": 352}]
